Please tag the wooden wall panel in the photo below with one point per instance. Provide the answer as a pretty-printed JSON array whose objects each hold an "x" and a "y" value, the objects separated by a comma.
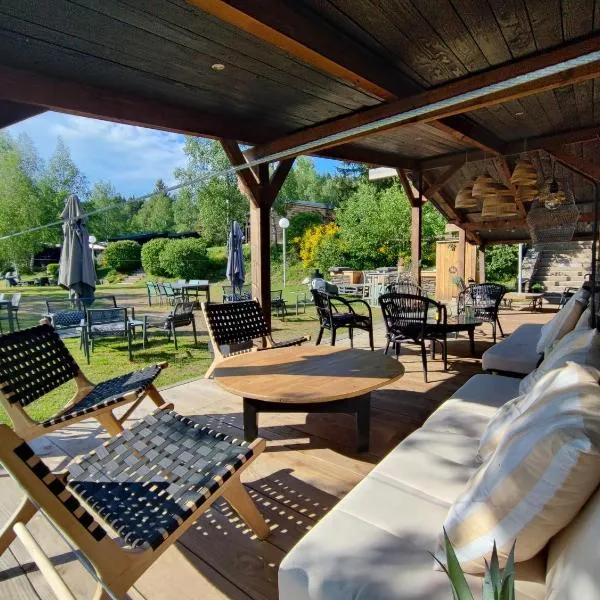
[{"x": 447, "y": 264}]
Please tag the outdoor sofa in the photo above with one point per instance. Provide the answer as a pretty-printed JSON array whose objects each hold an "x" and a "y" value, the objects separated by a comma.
[{"x": 376, "y": 544}]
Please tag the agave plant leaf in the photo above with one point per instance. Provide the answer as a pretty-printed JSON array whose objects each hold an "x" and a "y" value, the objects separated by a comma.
[
  {"x": 508, "y": 577},
  {"x": 494, "y": 570},
  {"x": 488, "y": 592},
  {"x": 455, "y": 573}
]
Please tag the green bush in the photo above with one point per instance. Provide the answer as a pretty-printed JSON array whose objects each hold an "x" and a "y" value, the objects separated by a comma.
[
  {"x": 123, "y": 256},
  {"x": 52, "y": 270},
  {"x": 151, "y": 257},
  {"x": 330, "y": 253},
  {"x": 299, "y": 224},
  {"x": 501, "y": 262},
  {"x": 186, "y": 259}
]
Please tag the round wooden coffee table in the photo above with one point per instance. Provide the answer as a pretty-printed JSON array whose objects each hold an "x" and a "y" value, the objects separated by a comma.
[{"x": 308, "y": 379}]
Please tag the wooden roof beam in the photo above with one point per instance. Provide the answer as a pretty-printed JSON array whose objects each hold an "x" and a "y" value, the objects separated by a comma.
[
  {"x": 13, "y": 112},
  {"x": 439, "y": 183},
  {"x": 45, "y": 92},
  {"x": 408, "y": 188},
  {"x": 520, "y": 78},
  {"x": 585, "y": 217},
  {"x": 576, "y": 164},
  {"x": 293, "y": 28}
]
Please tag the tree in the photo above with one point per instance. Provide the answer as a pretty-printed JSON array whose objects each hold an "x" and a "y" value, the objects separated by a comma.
[
  {"x": 299, "y": 223},
  {"x": 156, "y": 213},
  {"x": 501, "y": 262},
  {"x": 185, "y": 211},
  {"x": 62, "y": 174},
  {"x": 113, "y": 221},
  {"x": 214, "y": 193}
]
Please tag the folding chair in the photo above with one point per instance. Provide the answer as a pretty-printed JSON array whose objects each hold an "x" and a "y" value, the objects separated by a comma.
[
  {"x": 239, "y": 323},
  {"x": 35, "y": 361},
  {"x": 148, "y": 485}
]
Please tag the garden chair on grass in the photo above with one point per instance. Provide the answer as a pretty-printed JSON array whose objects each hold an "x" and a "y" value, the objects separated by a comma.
[
  {"x": 106, "y": 323},
  {"x": 237, "y": 324},
  {"x": 148, "y": 485},
  {"x": 35, "y": 361},
  {"x": 181, "y": 316},
  {"x": 332, "y": 318},
  {"x": 238, "y": 293},
  {"x": 278, "y": 303}
]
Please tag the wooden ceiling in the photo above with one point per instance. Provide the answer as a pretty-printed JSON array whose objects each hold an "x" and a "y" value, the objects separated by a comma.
[{"x": 294, "y": 65}]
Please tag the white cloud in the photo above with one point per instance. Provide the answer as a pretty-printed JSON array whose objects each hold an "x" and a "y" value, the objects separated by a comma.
[{"x": 132, "y": 158}]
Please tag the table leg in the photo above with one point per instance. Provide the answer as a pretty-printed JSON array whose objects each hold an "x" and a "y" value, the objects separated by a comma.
[
  {"x": 363, "y": 422},
  {"x": 250, "y": 420},
  {"x": 472, "y": 339}
]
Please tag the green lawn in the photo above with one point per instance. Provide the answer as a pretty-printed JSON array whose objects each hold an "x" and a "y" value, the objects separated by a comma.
[{"x": 110, "y": 356}]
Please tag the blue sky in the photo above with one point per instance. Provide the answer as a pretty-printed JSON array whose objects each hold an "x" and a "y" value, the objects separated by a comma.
[{"x": 132, "y": 158}]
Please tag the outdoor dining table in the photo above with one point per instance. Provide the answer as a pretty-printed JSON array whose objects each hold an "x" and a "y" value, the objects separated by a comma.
[
  {"x": 308, "y": 379},
  {"x": 184, "y": 289},
  {"x": 458, "y": 324},
  {"x": 7, "y": 304}
]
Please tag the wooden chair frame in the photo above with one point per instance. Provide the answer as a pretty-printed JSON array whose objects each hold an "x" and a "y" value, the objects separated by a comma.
[
  {"x": 29, "y": 429},
  {"x": 265, "y": 337},
  {"x": 117, "y": 567}
]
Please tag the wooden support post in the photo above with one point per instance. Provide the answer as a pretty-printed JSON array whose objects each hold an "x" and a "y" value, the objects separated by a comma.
[
  {"x": 461, "y": 252},
  {"x": 481, "y": 264},
  {"x": 416, "y": 234},
  {"x": 262, "y": 190}
]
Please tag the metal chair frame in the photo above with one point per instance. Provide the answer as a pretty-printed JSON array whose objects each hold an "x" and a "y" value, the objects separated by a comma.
[{"x": 484, "y": 299}]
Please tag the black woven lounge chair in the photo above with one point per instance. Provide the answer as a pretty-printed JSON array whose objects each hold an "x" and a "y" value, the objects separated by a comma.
[
  {"x": 405, "y": 317},
  {"x": 35, "y": 361},
  {"x": 149, "y": 485},
  {"x": 332, "y": 318},
  {"x": 483, "y": 299},
  {"x": 238, "y": 324},
  {"x": 182, "y": 315}
]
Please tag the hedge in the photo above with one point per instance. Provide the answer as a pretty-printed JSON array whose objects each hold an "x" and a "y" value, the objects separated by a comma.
[
  {"x": 123, "y": 256},
  {"x": 151, "y": 257},
  {"x": 186, "y": 258},
  {"x": 52, "y": 270}
]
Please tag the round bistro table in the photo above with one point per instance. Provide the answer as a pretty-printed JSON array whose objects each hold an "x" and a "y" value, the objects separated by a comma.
[{"x": 312, "y": 379}]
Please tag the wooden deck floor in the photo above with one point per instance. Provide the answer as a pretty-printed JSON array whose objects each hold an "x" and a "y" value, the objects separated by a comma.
[{"x": 309, "y": 464}]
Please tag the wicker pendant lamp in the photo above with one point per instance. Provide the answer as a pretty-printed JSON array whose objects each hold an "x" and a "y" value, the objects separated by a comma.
[
  {"x": 499, "y": 203},
  {"x": 481, "y": 185},
  {"x": 524, "y": 174},
  {"x": 464, "y": 198}
]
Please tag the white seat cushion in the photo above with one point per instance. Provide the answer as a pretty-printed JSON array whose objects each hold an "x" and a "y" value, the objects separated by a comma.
[
  {"x": 472, "y": 406},
  {"x": 516, "y": 353}
]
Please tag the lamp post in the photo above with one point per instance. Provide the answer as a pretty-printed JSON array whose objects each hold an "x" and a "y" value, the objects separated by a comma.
[{"x": 284, "y": 224}]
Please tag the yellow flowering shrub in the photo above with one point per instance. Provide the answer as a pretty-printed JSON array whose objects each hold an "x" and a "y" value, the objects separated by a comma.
[{"x": 311, "y": 240}]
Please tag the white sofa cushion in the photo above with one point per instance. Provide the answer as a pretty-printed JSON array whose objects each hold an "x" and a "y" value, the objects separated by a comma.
[
  {"x": 573, "y": 556},
  {"x": 516, "y": 353},
  {"x": 544, "y": 469},
  {"x": 580, "y": 345},
  {"x": 471, "y": 407},
  {"x": 564, "y": 321}
]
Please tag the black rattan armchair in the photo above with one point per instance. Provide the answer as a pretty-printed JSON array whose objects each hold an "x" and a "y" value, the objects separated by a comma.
[
  {"x": 483, "y": 299},
  {"x": 331, "y": 317},
  {"x": 406, "y": 320},
  {"x": 182, "y": 315},
  {"x": 405, "y": 287}
]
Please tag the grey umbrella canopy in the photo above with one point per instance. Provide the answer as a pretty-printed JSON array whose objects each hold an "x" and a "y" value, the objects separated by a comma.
[
  {"x": 235, "y": 256},
  {"x": 76, "y": 272}
]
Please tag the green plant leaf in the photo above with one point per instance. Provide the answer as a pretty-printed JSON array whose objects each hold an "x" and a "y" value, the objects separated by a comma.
[
  {"x": 488, "y": 587},
  {"x": 508, "y": 577},
  {"x": 455, "y": 572},
  {"x": 494, "y": 571}
]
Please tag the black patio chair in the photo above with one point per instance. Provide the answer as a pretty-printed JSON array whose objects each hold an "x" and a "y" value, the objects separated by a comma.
[
  {"x": 406, "y": 320},
  {"x": 483, "y": 300},
  {"x": 103, "y": 323},
  {"x": 333, "y": 318},
  {"x": 238, "y": 293},
  {"x": 566, "y": 295},
  {"x": 182, "y": 315},
  {"x": 278, "y": 303},
  {"x": 15, "y": 301},
  {"x": 405, "y": 287}
]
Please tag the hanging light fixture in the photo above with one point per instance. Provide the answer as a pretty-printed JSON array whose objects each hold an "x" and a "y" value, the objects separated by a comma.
[
  {"x": 553, "y": 216},
  {"x": 481, "y": 185},
  {"x": 524, "y": 173},
  {"x": 464, "y": 198},
  {"x": 499, "y": 203},
  {"x": 553, "y": 193}
]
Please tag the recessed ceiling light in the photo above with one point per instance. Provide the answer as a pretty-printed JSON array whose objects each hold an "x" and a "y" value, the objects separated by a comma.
[
  {"x": 519, "y": 113},
  {"x": 218, "y": 67}
]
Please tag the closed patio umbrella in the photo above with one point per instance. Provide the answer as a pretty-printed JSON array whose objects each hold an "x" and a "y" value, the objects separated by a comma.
[
  {"x": 235, "y": 257},
  {"x": 76, "y": 272}
]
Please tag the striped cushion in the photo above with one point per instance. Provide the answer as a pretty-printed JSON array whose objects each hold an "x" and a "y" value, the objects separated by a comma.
[
  {"x": 543, "y": 471},
  {"x": 564, "y": 321},
  {"x": 580, "y": 345},
  {"x": 499, "y": 424}
]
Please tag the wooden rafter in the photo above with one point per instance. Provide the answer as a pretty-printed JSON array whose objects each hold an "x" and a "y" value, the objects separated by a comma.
[
  {"x": 408, "y": 187},
  {"x": 575, "y": 163},
  {"x": 585, "y": 217},
  {"x": 12, "y": 112},
  {"x": 432, "y": 104},
  {"x": 439, "y": 183},
  {"x": 318, "y": 43}
]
